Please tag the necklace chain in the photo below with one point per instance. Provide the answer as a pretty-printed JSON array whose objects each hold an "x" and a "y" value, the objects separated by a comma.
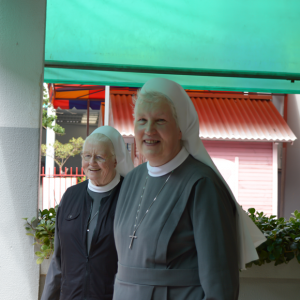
[
  {"x": 93, "y": 217},
  {"x": 136, "y": 226}
]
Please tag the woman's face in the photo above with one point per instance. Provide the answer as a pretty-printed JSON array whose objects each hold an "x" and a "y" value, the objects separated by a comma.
[
  {"x": 156, "y": 133},
  {"x": 100, "y": 173}
]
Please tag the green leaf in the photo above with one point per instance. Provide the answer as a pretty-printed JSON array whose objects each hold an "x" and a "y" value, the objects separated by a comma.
[
  {"x": 271, "y": 256},
  {"x": 46, "y": 241},
  {"x": 277, "y": 252},
  {"x": 270, "y": 248},
  {"x": 43, "y": 232},
  {"x": 25, "y": 219},
  {"x": 44, "y": 247},
  {"x": 278, "y": 262},
  {"x": 33, "y": 219},
  {"x": 39, "y": 260},
  {"x": 251, "y": 210},
  {"x": 52, "y": 210},
  {"x": 38, "y": 253},
  {"x": 294, "y": 246},
  {"x": 263, "y": 254},
  {"x": 30, "y": 234},
  {"x": 40, "y": 228}
]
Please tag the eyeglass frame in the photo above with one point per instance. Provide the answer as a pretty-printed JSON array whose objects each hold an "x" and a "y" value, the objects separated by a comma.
[{"x": 101, "y": 160}]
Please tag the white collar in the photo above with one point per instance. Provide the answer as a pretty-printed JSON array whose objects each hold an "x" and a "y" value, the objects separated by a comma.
[
  {"x": 105, "y": 188},
  {"x": 169, "y": 166}
]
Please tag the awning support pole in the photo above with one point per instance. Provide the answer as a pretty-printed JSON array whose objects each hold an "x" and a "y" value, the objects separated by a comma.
[
  {"x": 88, "y": 118},
  {"x": 107, "y": 104},
  {"x": 283, "y": 165}
]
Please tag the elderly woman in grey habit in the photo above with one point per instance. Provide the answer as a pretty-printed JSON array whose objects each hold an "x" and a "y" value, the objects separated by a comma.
[
  {"x": 84, "y": 263},
  {"x": 179, "y": 232}
]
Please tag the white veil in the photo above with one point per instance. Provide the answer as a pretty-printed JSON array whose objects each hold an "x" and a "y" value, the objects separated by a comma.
[
  {"x": 124, "y": 162},
  {"x": 249, "y": 236}
]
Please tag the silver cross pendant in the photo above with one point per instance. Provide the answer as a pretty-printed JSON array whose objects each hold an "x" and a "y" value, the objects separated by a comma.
[{"x": 133, "y": 236}]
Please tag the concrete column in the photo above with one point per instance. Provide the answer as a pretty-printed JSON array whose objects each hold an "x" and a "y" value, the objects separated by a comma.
[
  {"x": 292, "y": 182},
  {"x": 22, "y": 39}
]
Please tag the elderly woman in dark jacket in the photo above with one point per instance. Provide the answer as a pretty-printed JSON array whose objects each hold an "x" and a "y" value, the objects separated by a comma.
[{"x": 84, "y": 263}]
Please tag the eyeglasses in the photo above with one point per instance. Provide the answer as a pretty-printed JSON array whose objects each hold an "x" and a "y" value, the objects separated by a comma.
[{"x": 97, "y": 158}]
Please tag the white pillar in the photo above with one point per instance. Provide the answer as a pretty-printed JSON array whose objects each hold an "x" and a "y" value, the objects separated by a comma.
[
  {"x": 107, "y": 105},
  {"x": 275, "y": 180},
  {"x": 50, "y": 140},
  {"x": 22, "y": 31},
  {"x": 100, "y": 123},
  {"x": 292, "y": 181}
]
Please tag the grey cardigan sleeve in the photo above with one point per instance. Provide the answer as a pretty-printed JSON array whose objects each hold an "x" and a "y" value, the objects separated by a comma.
[
  {"x": 213, "y": 217},
  {"x": 53, "y": 279}
]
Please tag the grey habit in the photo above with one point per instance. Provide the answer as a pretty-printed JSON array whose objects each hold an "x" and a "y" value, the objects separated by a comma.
[{"x": 186, "y": 247}]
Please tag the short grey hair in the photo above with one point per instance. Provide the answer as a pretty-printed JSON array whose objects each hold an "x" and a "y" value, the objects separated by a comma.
[
  {"x": 153, "y": 97},
  {"x": 98, "y": 138}
]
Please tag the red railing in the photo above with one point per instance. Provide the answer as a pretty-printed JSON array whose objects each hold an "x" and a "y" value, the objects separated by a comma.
[{"x": 54, "y": 185}]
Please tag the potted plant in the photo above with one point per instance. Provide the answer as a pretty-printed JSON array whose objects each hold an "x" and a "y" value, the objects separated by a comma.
[
  {"x": 43, "y": 231},
  {"x": 283, "y": 238}
]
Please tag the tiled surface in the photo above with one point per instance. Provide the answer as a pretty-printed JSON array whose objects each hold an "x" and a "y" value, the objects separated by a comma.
[{"x": 221, "y": 116}]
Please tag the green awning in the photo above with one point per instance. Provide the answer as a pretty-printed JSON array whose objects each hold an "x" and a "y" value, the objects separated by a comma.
[{"x": 211, "y": 45}]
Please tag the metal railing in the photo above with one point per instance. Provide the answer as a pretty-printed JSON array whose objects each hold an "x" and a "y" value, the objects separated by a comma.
[{"x": 54, "y": 185}]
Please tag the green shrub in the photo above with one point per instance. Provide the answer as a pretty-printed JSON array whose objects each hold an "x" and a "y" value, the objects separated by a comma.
[
  {"x": 282, "y": 245},
  {"x": 43, "y": 230},
  {"x": 283, "y": 238}
]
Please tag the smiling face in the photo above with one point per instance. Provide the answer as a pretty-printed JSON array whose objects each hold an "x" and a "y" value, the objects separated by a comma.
[
  {"x": 100, "y": 173},
  {"x": 156, "y": 132}
]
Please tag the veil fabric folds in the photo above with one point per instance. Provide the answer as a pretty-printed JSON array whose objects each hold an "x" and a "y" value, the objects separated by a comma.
[{"x": 249, "y": 236}]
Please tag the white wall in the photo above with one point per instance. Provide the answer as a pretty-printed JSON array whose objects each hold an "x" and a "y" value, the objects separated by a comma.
[
  {"x": 270, "y": 283},
  {"x": 292, "y": 183},
  {"x": 22, "y": 36},
  {"x": 255, "y": 171}
]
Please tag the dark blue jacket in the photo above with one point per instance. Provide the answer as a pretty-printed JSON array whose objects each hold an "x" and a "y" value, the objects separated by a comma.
[{"x": 75, "y": 274}]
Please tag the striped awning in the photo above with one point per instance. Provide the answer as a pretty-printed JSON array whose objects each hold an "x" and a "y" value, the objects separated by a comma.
[
  {"x": 233, "y": 117},
  {"x": 68, "y": 96}
]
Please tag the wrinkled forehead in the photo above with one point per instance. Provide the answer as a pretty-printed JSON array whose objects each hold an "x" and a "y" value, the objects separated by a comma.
[
  {"x": 98, "y": 142},
  {"x": 144, "y": 103}
]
